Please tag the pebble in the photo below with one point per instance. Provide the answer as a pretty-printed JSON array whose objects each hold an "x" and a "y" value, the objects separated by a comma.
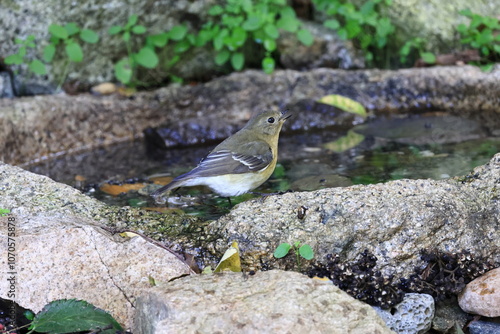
[
  {"x": 482, "y": 295},
  {"x": 484, "y": 327}
]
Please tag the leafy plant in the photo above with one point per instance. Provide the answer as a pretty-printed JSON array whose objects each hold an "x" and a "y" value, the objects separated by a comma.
[
  {"x": 362, "y": 23},
  {"x": 147, "y": 56},
  {"x": 239, "y": 22},
  {"x": 68, "y": 36},
  {"x": 482, "y": 33},
  {"x": 4, "y": 212},
  {"x": 71, "y": 315},
  {"x": 305, "y": 251},
  {"x": 418, "y": 44},
  {"x": 35, "y": 66}
]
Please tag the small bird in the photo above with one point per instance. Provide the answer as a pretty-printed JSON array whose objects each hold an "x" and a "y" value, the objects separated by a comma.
[{"x": 240, "y": 163}]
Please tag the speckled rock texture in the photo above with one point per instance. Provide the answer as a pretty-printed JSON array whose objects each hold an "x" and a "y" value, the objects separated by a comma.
[
  {"x": 36, "y": 127},
  {"x": 482, "y": 295},
  {"x": 393, "y": 220},
  {"x": 267, "y": 302},
  {"x": 436, "y": 20},
  {"x": 412, "y": 316},
  {"x": 59, "y": 257}
]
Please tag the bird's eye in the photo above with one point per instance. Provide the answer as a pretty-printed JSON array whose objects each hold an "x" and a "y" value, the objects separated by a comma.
[{"x": 270, "y": 120}]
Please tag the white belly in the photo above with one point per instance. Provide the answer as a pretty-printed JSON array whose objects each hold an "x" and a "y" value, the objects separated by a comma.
[{"x": 229, "y": 185}]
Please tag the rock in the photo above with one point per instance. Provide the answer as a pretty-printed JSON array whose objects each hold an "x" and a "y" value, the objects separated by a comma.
[
  {"x": 267, "y": 302},
  {"x": 36, "y": 127},
  {"x": 482, "y": 295},
  {"x": 437, "y": 23},
  {"x": 62, "y": 249},
  {"x": 393, "y": 220},
  {"x": 412, "y": 316},
  {"x": 448, "y": 314},
  {"x": 484, "y": 327}
]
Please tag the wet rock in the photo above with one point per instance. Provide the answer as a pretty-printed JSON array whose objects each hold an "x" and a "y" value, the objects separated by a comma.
[
  {"x": 267, "y": 302},
  {"x": 320, "y": 181},
  {"x": 412, "y": 316},
  {"x": 484, "y": 327},
  {"x": 50, "y": 125},
  {"x": 448, "y": 314},
  {"x": 424, "y": 130},
  {"x": 393, "y": 220},
  {"x": 482, "y": 295}
]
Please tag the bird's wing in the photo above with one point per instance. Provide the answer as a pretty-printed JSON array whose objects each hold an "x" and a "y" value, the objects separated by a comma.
[{"x": 257, "y": 156}]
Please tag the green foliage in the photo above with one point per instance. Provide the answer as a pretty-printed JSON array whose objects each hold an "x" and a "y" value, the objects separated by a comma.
[
  {"x": 68, "y": 37},
  {"x": 417, "y": 44},
  {"x": 362, "y": 23},
  {"x": 482, "y": 33},
  {"x": 305, "y": 251},
  {"x": 71, "y": 315},
  {"x": 239, "y": 23},
  {"x": 146, "y": 55},
  {"x": 35, "y": 66},
  {"x": 4, "y": 212}
]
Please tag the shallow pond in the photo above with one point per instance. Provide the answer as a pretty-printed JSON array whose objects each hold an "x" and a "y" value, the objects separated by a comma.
[{"x": 429, "y": 146}]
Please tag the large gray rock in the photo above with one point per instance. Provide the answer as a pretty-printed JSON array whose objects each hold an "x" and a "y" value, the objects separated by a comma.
[
  {"x": 33, "y": 128},
  {"x": 393, "y": 220},
  {"x": 435, "y": 21},
  {"x": 267, "y": 302}
]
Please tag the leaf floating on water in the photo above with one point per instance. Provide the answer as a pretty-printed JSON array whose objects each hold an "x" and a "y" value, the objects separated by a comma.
[
  {"x": 344, "y": 103},
  {"x": 230, "y": 260},
  {"x": 71, "y": 315},
  {"x": 115, "y": 190},
  {"x": 352, "y": 139}
]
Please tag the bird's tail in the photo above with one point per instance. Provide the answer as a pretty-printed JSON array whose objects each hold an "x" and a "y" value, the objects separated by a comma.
[{"x": 157, "y": 194}]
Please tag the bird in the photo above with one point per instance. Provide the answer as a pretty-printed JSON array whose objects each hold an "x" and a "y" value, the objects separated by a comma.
[{"x": 242, "y": 162}]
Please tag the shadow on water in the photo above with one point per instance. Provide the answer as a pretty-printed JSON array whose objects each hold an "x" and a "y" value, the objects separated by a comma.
[{"x": 432, "y": 146}]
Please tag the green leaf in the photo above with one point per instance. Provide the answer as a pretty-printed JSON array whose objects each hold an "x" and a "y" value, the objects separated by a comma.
[
  {"x": 58, "y": 31},
  {"x": 89, "y": 36},
  {"x": 344, "y": 103},
  {"x": 48, "y": 52},
  {"x": 123, "y": 71},
  {"x": 282, "y": 250},
  {"x": 252, "y": 23},
  {"x": 147, "y": 57},
  {"x": 72, "y": 28},
  {"x": 114, "y": 30},
  {"x": 271, "y": 31},
  {"x": 270, "y": 45},
  {"x": 222, "y": 57},
  {"x": 132, "y": 20},
  {"x": 14, "y": 59},
  {"x": 288, "y": 23},
  {"x": 288, "y": 12},
  {"x": 239, "y": 36},
  {"x": 175, "y": 59},
  {"x": 37, "y": 67},
  {"x": 305, "y": 37},
  {"x": 306, "y": 252},
  {"x": 74, "y": 52},
  {"x": 219, "y": 39},
  {"x": 178, "y": 32},
  {"x": 70, "y": 315},
  {"x": 126, "y": 36},
  {"x": 182, "y": 46},
  {"x": 332, "y": 24},
  {"x": 342, "y": 144},
  {"x": 428, "y": 57},
  {"x": 237, "y": 60},
  {"x": 139, "y": 29},
  {"x": 268, "y": 65},
  {"x": 5, "y": 212},
  {"x": 215, "y": 10},
  {"x": 159, "y": 40}
]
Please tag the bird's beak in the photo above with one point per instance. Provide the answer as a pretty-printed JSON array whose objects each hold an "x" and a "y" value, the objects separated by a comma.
[{"x": 285, "y": 115}]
